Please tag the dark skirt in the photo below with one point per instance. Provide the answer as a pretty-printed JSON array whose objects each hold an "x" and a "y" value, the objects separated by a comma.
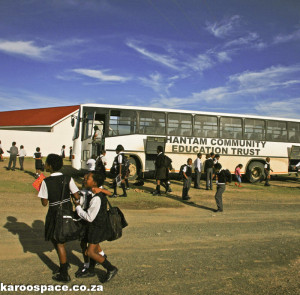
[
  {"x": 97, "y": 234},
  {"x": 38, "y": 164},
  {"x": 50, "y": 224}
]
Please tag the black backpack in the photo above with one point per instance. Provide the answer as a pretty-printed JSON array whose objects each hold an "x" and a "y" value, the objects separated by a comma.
[
  {"x": 100, "y": 167},
  {"x": 228, "y": 175},
  {"x": 167, "y": 162},
  {"x": 181, "y": 171}
]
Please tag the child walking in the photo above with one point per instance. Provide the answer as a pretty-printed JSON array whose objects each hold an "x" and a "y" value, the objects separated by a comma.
[
  {"x": 38, "y": 162},
  {"x": 238, "y": 175},
  {"x": 98, "y": 227},
  {"x": 51, "y": 192},
  {"x": 267, "y": 171},
  {"x": 22, "y": 155},
  {"x": 187, "y": 179}
]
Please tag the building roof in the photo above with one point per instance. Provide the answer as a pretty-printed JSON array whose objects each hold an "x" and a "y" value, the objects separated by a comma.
[{"x": 36, "y": 117}]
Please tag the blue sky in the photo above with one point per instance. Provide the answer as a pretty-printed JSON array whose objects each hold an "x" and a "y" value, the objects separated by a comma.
[{"x": 233, "y": 56}]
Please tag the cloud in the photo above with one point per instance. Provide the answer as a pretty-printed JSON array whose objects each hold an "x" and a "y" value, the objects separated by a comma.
[
  {"x": 223, "y": 28},
  {"x": 100, "y": 75},
  {"x": 159, "y": 58},
  {"x": 25, "y": 48},
  {"x": 294, "y": 36}
]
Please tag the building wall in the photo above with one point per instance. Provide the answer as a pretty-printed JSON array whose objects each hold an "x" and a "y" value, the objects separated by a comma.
[{"x": 49, "y": 142}]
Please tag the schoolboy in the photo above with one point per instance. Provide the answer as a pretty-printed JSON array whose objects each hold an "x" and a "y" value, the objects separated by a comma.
[
  {"x": 267, "y": 171},
  {"x": 22, "y": 155},
  {"x": 221, "y": 180},
  {"x": 13, "y": 156},
  {"x": 209, "y": 165},
  {"x": 198, "y": 169},
  {"x": 98, "y": 226},
  {"x": 51, "y": 192},
  {"x": 38, "y": 162},
  {"x": 187, "y": 179}
]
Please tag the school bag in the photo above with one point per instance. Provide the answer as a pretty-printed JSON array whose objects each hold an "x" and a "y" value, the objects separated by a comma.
[
  {"x": 167, "y": 162},
  {"x": 67, "y": 226},
  {"x": 117, "y": 222},
  {"x": 100, "y": 167},
  {"x": 228, "y": 176},
  {"x": 181, "y": 171}
]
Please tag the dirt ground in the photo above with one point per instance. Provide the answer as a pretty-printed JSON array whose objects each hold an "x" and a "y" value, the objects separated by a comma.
[{"x": 170, "y": 247}]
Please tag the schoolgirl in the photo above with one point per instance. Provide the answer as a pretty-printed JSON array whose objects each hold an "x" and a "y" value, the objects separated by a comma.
[
  {"x": 51, "y": 192},
  {"x": 38, "y": 162},
  {"x": 98, "y": 226},
  {"x": 238, "y": 175}
]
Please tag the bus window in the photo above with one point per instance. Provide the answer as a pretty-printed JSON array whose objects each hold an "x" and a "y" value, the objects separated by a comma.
[
  {"x": 205, "y": 126},
  {"x": 231, "y": 128},
  {"x": 255, "y": 129},
  {"x": 122, "y": 122},
  {"x": 152, "y": 123},
  {"x": 294, "y": 132},
  {"x": 276, "y": 131},
  {"x": 180, "y": 124},
  {"x": 87, "y": 125}
]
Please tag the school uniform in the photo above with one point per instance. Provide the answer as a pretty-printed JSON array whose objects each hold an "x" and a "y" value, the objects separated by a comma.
[
  {"x": 96, "y": 215},
  {"x": 51, "y": 189},
  {"x": 91, "y": 163},
  {"x": 38, "y": 160},
  {"x": 161, "y": 172},
  {"x": 198, "y": 169},
  {"x": 62, "y": 153},
  {"x": 221, "y": 186},
  {"x": 209, "y": 164},
  {"x": 267, "y": 172},
  {"x": 22, "y": 154},
  {"x": 120, "y": 160},
  {"x": 13, "y": 157},
  {"x": 187, "y": 169}
]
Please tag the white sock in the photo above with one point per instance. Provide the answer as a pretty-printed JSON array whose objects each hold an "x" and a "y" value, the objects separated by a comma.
[
  {"x": 102, "y": 253},
  {"x": 86, "y": 265}
]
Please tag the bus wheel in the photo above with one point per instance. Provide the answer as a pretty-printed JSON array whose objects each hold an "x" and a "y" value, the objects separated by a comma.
[
  {"x": 255, "y": 172},
  {"x": 133, "y": 168}
]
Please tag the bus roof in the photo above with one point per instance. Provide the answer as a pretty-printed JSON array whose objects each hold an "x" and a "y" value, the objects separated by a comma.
[{"x": 184, "y": 111}]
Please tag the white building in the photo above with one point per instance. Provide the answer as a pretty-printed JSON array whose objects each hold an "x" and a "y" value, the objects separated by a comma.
[{"x": 47, "y": 128}]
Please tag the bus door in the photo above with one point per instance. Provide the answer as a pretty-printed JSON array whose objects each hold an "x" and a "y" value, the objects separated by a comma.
[
  {"x": 294, "y": 158},
  {"x": 100, "y": 131},
  {"x": 152, "y": 143},
  {"x": 87, "y": 136}
]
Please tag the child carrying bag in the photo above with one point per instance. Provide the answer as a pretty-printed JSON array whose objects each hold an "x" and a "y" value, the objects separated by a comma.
[
  {"x": 116, "y": 222},
  {"x": 67, "y": 227}
]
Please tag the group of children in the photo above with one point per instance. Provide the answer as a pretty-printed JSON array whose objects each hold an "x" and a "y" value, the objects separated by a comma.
[{"x": 91, "y": 206}]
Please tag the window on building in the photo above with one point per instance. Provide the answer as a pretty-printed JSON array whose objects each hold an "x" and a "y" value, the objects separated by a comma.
[
  {"x": 255, "y": 129},
  {"x": 205, "y": 126},
  {"x": 276, "y": 131},
  {"x": 122, "y": 122},
  {"x": 231, "y": 128},
  {"x": 152, "y": 123},
  {"x": 179, "y": 124},
  {"x": 294, "y": 132}
]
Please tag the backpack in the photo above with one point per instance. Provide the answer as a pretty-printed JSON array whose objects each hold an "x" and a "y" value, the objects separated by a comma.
[
  {"x": 125, "y": 163},
  {"x": 228, "y": 176},
  {"x": 181, "y": 171}
]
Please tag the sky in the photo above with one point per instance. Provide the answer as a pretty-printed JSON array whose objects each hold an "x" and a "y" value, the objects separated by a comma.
[{"x": 233, "y": 56}]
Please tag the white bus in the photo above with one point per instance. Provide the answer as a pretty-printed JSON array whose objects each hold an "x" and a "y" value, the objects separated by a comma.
[{"x": 239, "y": 139}]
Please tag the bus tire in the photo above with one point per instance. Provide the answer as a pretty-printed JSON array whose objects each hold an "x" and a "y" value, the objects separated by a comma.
[
  {"x": 255, "y": 172},
  {"x": 133, "y": 168}
]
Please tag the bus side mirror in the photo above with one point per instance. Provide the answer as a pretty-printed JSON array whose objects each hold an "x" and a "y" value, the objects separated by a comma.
[{"x": 72, "y": 122}]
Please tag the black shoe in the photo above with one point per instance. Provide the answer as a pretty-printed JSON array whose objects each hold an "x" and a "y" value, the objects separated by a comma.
[
  {"x": 85, "y": 273},
  {"x": 113, "y": 196},
  {"x": 186, "y": 198},
  {"x": 110, "y": 275},
  {"x": 58, "y": 269},
  {"x": 219, "y": 210},
  {"x": 196, "y": 187},
  {"x": 207, "y": 189},
  {"x": 267, "y": 184},
  {"x": 156, "y": 193},
  {"x": 61, "y": 278},
  {"x": 124, "y": 195}
]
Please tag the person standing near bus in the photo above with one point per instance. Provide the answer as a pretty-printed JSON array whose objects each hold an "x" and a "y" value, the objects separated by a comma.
[
  {"x": 161, "y": 171},
  {"x": 187, "y": 179},
  {"x": 267, "y": 171},
  {"x": 209, "y": 165},
  {"x": 1, "y": 152},
  {"x": 198, "y": 169}
]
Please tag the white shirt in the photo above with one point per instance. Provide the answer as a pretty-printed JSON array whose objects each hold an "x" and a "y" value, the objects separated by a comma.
[
  {"x": 22, "y": 153},
  {"x": 198, "y": 164},
  {"x": 91, "y": 164},
  {"x": 120, "y": 157},
  {"x": 92, "y": 211},
  {"x": 43, "y": 193}
]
